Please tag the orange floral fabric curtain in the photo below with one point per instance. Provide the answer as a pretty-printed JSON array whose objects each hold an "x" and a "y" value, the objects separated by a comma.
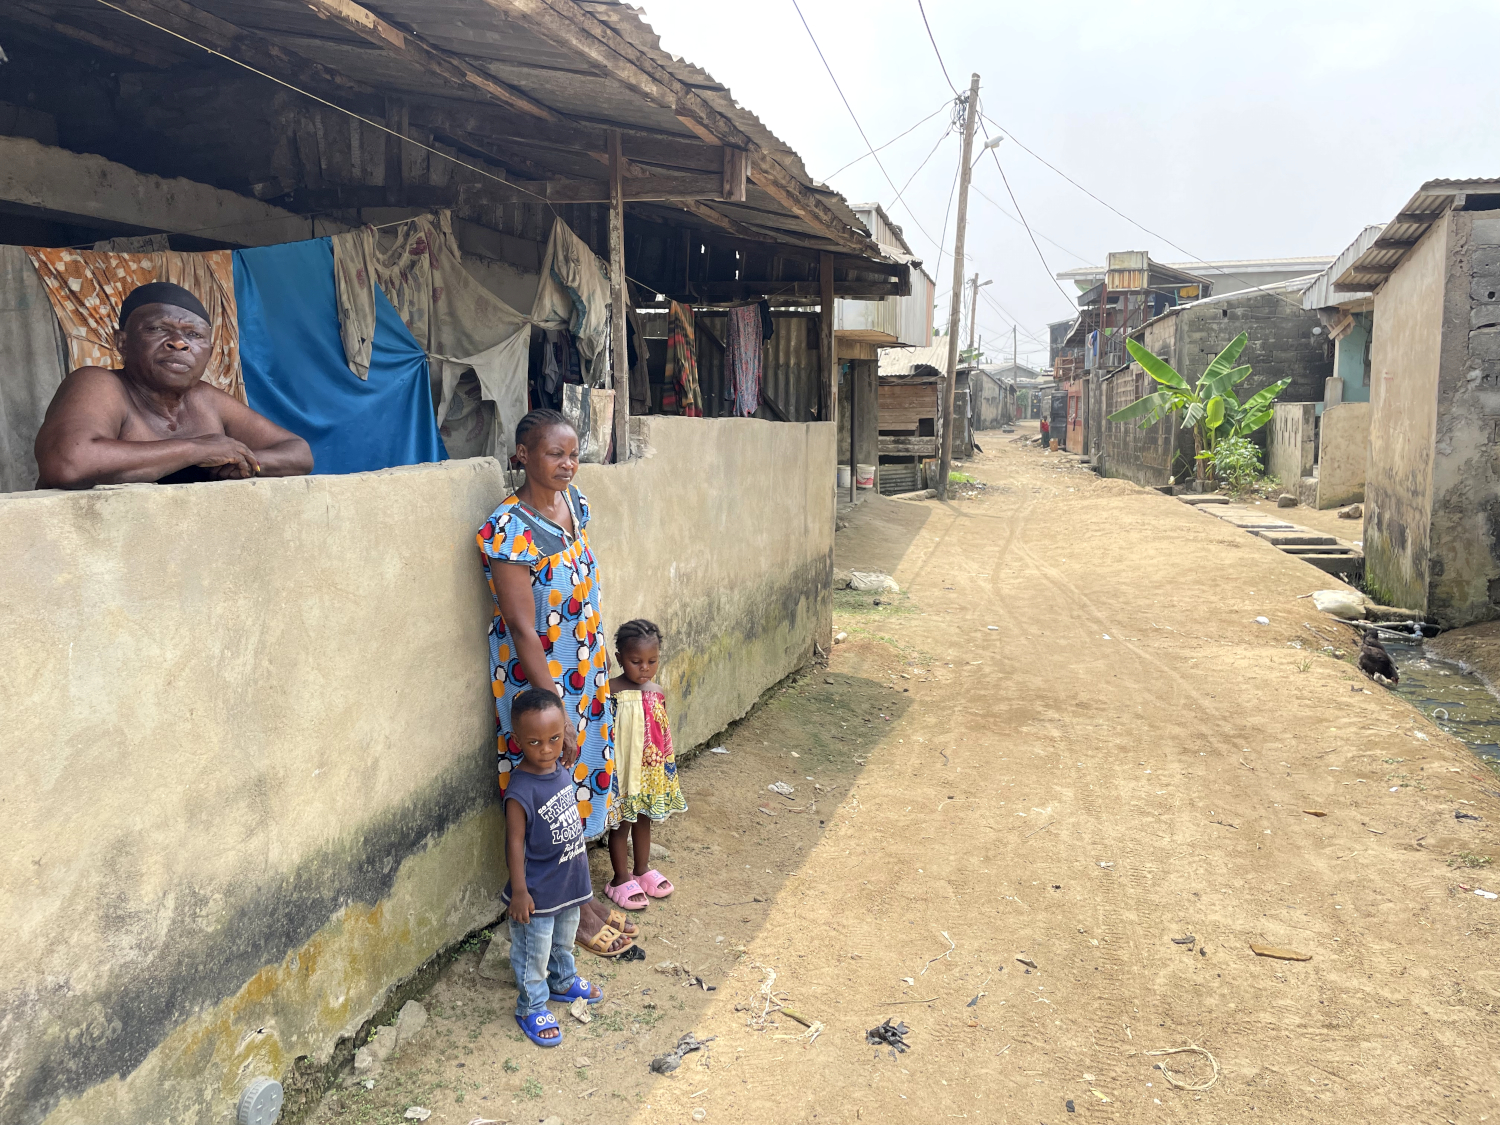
[{"x": 87, "y": 287}]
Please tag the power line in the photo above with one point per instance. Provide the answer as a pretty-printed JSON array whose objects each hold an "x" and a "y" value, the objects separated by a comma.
[
  {"x": 888, "y": 143},
  {"x": 933, "y": 40},
  {"x": 1012, "y": 218},
  {"x": 331, "y": 105},
  {"x": 1116, "y": 210},
  {"x": 855, "y": 119},
  {"x": 920, "y": 166},
  {"x": 1041, "y": 257}
]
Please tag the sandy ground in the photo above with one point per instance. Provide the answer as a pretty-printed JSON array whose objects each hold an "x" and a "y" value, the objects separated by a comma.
[{"x": 1067, "y": 740}]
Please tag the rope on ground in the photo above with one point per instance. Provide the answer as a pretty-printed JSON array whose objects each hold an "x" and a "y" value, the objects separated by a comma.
[{"x": 1192, "y": 1049}]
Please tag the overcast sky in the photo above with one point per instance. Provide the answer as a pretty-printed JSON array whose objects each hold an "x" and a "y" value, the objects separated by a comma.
[{"x": 1264, "y": 130}]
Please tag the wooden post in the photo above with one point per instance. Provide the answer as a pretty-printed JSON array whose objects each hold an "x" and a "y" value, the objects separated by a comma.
[
  {"x": 617, "y": 292},
  {"x": 945, "y": 463},
  {"x": 829, "y": 393},
  {"x": 855, "y": 369}
]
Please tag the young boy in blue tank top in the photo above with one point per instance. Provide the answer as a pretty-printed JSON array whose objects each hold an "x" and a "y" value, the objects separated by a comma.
[{"x": 549, "y": 873}]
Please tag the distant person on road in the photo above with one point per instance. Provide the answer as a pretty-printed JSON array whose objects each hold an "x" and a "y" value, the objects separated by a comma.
[
  {"x": 1046, "y": 433},
  {"x": 156, "y": 419}
]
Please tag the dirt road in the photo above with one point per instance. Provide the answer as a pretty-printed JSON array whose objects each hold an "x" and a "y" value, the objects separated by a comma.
[{"x": 1066, "y": 740}]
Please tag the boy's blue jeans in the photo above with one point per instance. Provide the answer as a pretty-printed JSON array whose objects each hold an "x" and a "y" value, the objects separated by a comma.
[{"x": 541, "y": 956}]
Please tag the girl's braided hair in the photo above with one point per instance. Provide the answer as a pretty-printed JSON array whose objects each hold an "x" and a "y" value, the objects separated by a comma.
[
  {"x": 638, "y": 630},
  {"x": 539, "y": 420}
]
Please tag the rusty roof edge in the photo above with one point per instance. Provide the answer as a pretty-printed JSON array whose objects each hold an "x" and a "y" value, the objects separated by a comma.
[
  {"x": 1372, "y": 272},
  {"x": 721, "y": 100}
]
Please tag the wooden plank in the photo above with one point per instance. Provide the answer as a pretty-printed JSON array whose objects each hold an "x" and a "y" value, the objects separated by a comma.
[
  {"x": 723, "y": 222},
  {"x": 735, "y": 162},
  {"x": 243, "y": 46},
  {"x": 827, "y": 357},
  {"x": 570, "y": 26},
  {"x": 908, "y": 446},
  {"x": 657, "y": 188},
  {"x": 423, "y": 55},
  {"x": 618, "y": 327},
  {"x": 26, "y": 14}
]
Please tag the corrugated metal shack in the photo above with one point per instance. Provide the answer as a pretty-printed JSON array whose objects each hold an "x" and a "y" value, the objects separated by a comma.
[
  {"x": 507, "y": 112},
  {"x": 911, "y": 414}
]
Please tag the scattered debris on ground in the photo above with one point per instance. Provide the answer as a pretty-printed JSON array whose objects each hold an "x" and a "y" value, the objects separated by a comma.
[
  {"x": 666, "y": 1064},
  {"x": 889, "y": 1034}
]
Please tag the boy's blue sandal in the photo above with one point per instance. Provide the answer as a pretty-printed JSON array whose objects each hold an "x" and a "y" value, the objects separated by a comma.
[
  {"x": 536, "y": 1023},
  {"x": 578, "y": 990}
]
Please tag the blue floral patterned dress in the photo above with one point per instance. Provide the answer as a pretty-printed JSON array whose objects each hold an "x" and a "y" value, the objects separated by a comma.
[{"x": 565, "y": 587}]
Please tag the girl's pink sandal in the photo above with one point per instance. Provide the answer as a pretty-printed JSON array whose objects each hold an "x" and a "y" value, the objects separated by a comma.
[
  {"x": 655, "y": 884},
  {"x": 628, "y": 895}
]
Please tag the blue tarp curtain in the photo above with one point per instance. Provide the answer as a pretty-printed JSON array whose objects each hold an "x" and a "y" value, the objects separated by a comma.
[{"x": 296, "y": 374}]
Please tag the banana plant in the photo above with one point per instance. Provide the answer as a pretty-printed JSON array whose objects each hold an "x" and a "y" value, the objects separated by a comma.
[{"x": 1209, "y": 407}]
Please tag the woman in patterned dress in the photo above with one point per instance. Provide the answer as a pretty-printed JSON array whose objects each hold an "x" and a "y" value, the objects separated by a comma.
[{"x": 546, "y": 631}]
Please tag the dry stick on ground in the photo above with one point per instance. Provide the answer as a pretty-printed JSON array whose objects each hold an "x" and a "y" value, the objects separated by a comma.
[
  {"x": 1032, "y": 833},
  {"x": 893, "y": 1003},
  {"x": 1193, "y": 1049},
  {"x": 940, "y": 956}
]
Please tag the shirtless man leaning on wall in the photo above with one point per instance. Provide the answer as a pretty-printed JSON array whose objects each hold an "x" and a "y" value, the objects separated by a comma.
[{"x": 156, "y": 420}]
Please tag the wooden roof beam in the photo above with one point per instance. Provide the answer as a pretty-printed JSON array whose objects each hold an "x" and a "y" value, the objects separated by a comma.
[
  {"x": 29, "y": 16},
  {"x": 251, "y": 48},
  {"x": 419, "y": 53},
  {"x": 568, "y": 25}
]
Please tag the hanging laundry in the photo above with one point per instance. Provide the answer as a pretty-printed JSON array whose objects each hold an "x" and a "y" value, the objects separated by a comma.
[
  {"x": 457, "y": 321},
  {"x": 745, "y": 356},
  {"x": 574, "y": 294},
  {"x": 87, "y": 287},
  {"x": 33, "y": 361},
  {"x": 640, "y": 371},
  {"x": 592, "y": 415},
  {"x": 767, "y": 324},
  {"x": 682, "y": 360},
  {"x": 295, "y": 369}
]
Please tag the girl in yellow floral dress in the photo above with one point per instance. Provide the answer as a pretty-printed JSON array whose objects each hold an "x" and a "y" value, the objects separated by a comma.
[{"x": 645, "y": 767}]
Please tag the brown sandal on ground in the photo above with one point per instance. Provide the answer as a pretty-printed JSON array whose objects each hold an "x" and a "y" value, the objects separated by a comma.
[
  {"x": 600, "y": 943},
  {"x": 619, "y": 921}
]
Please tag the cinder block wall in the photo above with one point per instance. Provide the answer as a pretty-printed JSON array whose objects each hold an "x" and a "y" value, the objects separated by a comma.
[
  {"x": 250, "y": 739},
  {"x": 1281, "y": 345},
  {"x": 1464, "y": 542}
]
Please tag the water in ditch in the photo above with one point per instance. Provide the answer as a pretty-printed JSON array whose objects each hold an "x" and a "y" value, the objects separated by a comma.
[{"x": 1457, "y": 701}]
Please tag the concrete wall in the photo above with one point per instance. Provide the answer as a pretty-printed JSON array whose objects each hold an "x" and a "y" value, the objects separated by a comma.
[
  {"x": 737, "y": 572},
  {"x": 1153, "y": 454},
  {"x": 1405, "y": 357},
  {"x": 1464, "y": 543},
  {"x": 250, "y": 740},
  {"x": 1289, "y": 442},
  {"x": 1281, "y": 345},
  {"x": 1343, "y": 451}
]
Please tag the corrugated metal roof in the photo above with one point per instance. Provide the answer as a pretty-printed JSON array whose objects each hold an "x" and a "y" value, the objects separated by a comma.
[
  {"x": 594, "y": 63},
  {"x": 1320, "y": 294},
  {"x": 1370, "y": 269},
  {"x": 1224, "y": 267},
  {"x": 905, "y": 361}
]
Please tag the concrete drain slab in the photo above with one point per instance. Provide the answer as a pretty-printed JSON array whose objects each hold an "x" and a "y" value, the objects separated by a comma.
[{"x": 1326, "y": 552}]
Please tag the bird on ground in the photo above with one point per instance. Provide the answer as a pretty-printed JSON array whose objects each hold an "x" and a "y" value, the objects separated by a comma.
[{"x": 1376, "y": 663}]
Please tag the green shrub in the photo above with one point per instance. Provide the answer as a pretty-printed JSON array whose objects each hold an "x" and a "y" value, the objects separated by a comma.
[{"x": 1236, "y": 463}]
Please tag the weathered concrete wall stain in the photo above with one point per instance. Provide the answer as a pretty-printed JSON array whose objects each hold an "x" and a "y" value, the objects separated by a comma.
[
  {"x": 1405, "y": 358},
  {"x": 252, "y": 740},
  {"x": 1465, "y": 538},
  {"x": 1343, "y": 451}
]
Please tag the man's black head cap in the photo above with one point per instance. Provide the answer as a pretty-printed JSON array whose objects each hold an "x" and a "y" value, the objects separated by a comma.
[{"x": 161, "y": 293}]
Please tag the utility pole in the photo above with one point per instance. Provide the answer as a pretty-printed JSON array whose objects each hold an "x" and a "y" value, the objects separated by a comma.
[
  {"x": 974, "y": 314},
  {"x": 1013, "y": 350},
  {"x": 945, "y": 463}
]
